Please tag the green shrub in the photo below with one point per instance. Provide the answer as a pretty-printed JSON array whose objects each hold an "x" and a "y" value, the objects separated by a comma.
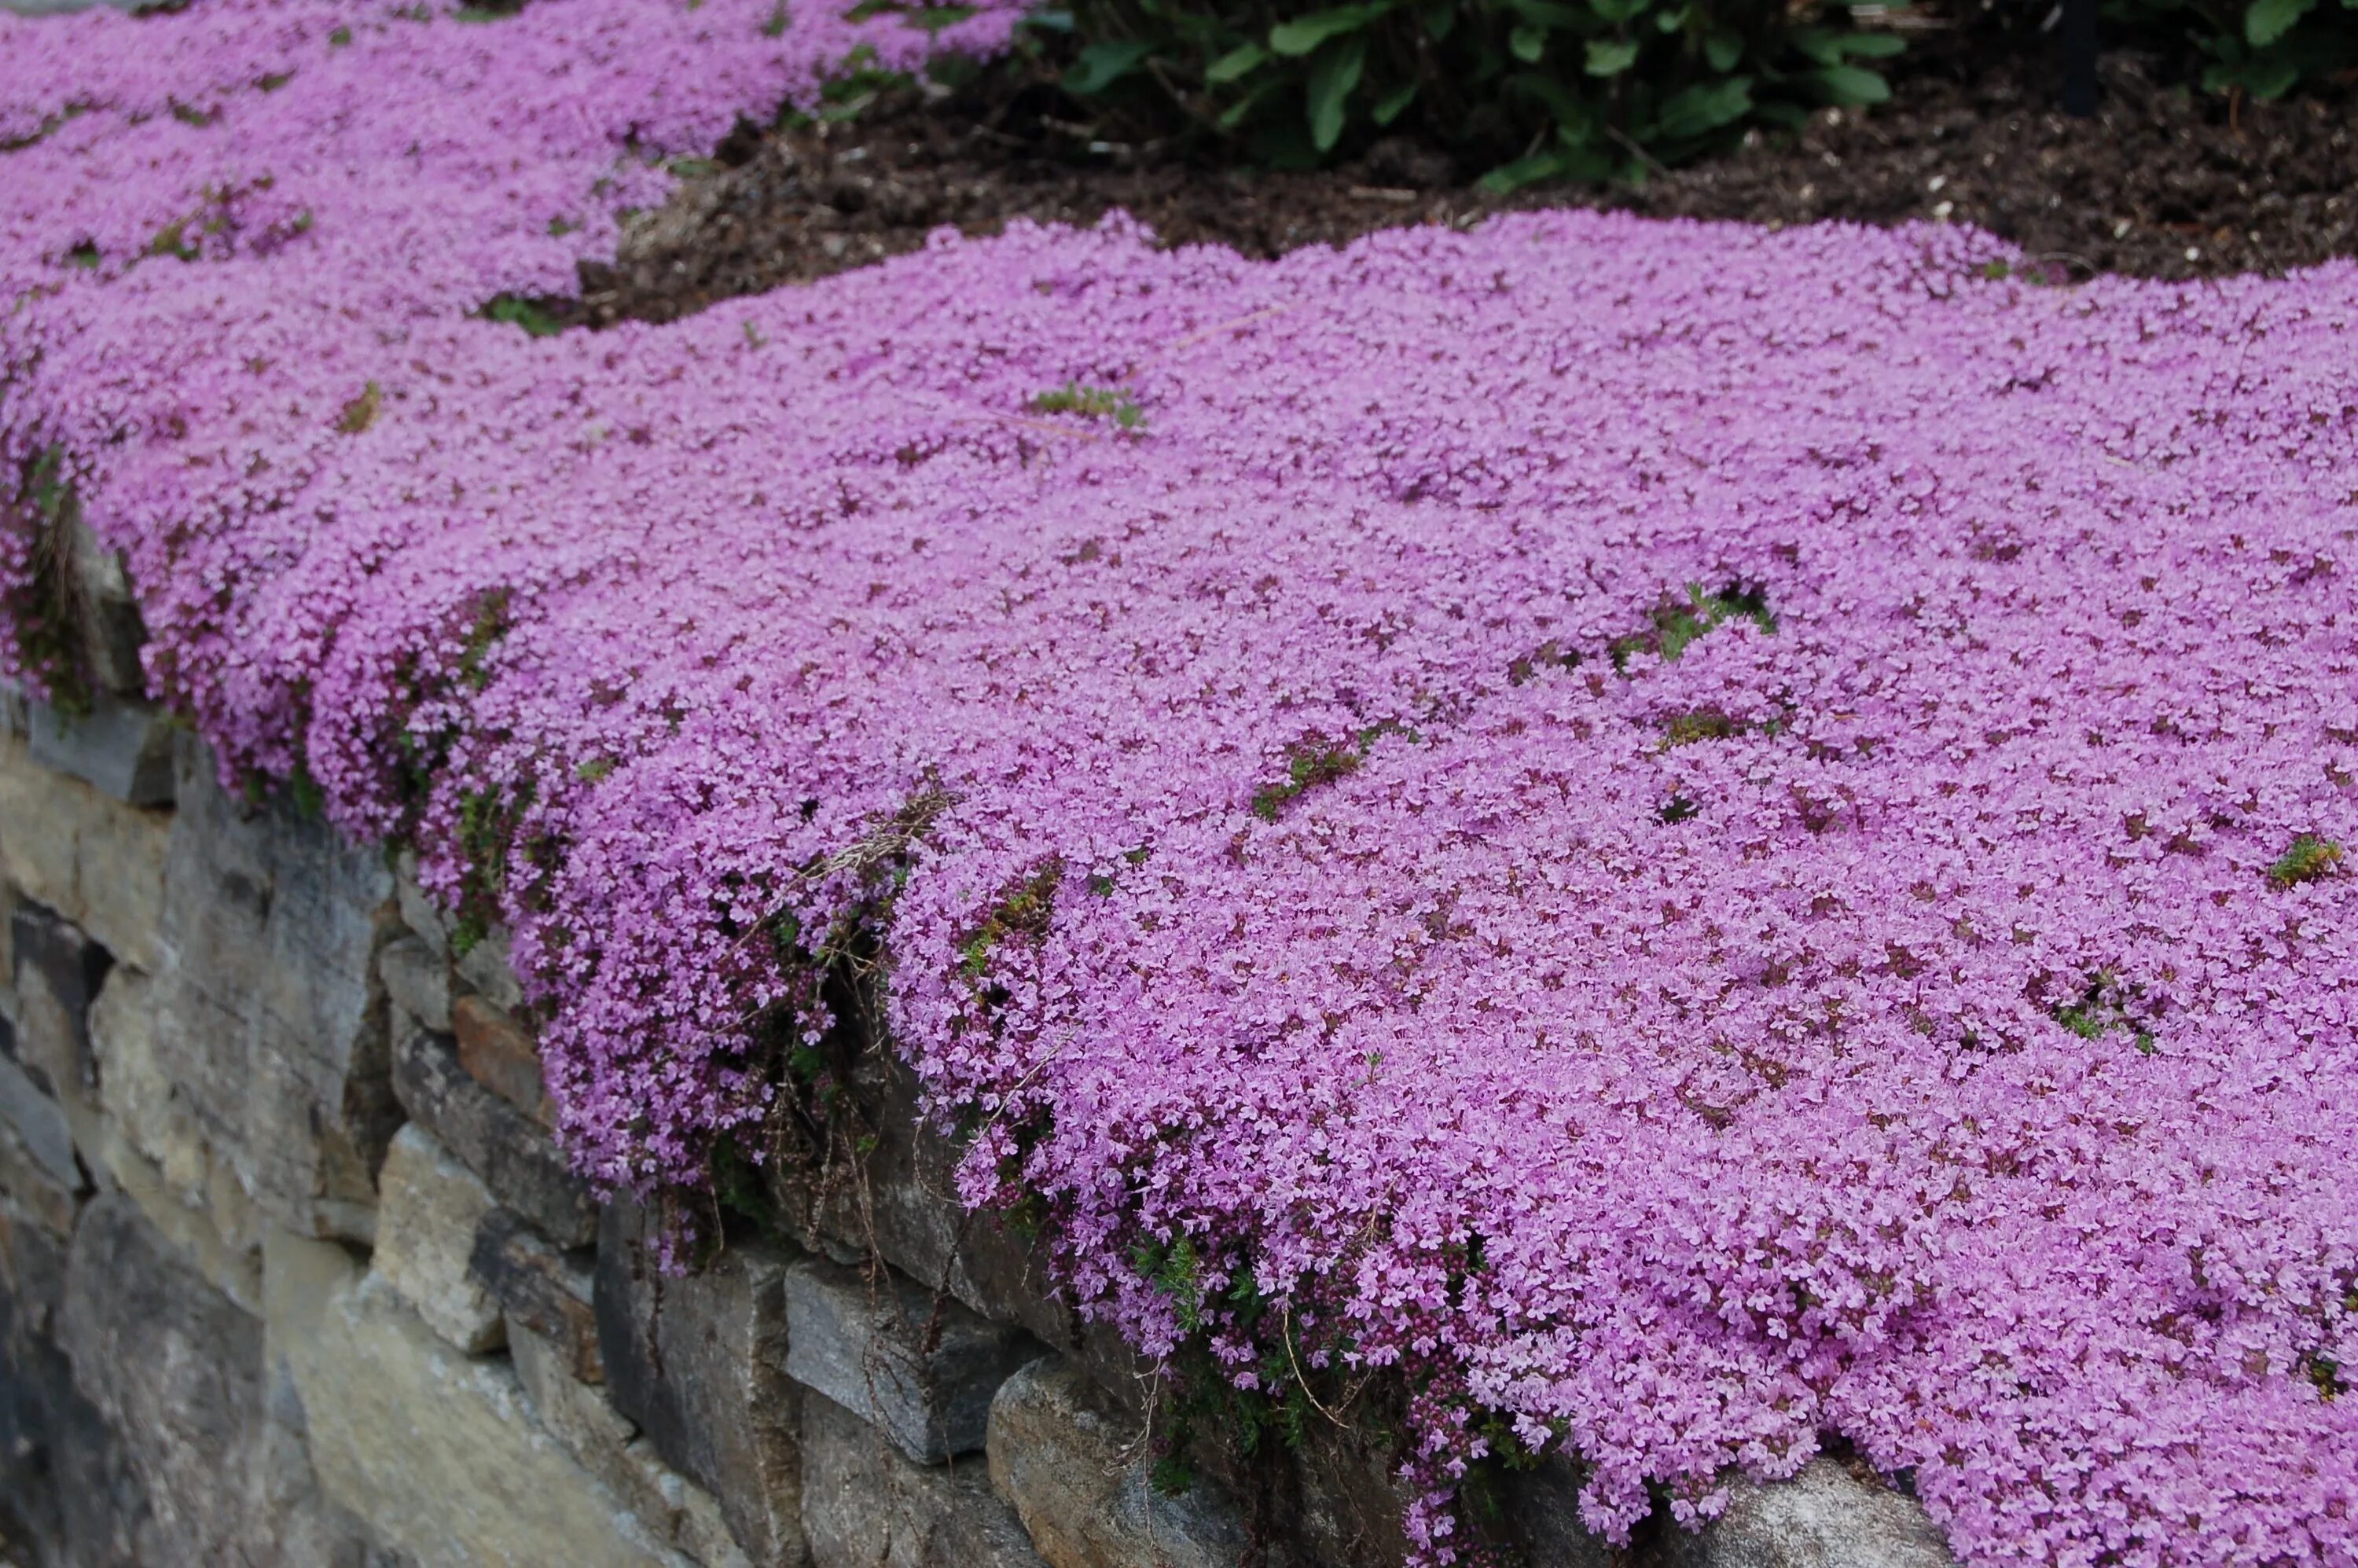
[
  {"x": 1534, "y": 89},
  {"x": 2260, "y": 48}
]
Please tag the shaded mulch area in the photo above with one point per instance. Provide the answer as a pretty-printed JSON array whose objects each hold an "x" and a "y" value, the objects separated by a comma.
[{"x": 2165, "y": 182}]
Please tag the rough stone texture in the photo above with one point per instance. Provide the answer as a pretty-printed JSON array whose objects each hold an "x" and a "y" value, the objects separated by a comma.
[
  {"x": 441, "y": 1454},
  {"x": 110, "y": 628},
  {"x": 866, "y": 1505},
  {"x": 418, "y": 981},
  {"x": 432, "y": 1206},
  {"x": 1346, "y": 1501},
  {"x": 1065, "y": 1458},
  {"x": 548, "y": 1290},
  {"x": 59, "y": 971},
  {"x": 269, "y": 1018},
  {"x": 40, "y": 1126},
  {"x": 37, "y": 1194},
  {"x": 135, "y": 1088},
  {"x": 1823, "y": 1518},
  {"x": 501, "y": 1054},
  {"x": 513, "y": 1154},
  {"x": 419, "y": 911},
  {"x": 924, "y": 1369},
  {"x": 1546, "y": 1502},
  {"x": 697, "y": 1361},
  {"x": 672, "y": 1507},
  {"x": 178, "y": 1373},
  {"x": 484, "y": 970},
  {"x": 67, "y": 1492},
  {"x": 121, "y": 749},
  {"x": 96, "y": 862},
  {"x": 905, "y": 1207}
]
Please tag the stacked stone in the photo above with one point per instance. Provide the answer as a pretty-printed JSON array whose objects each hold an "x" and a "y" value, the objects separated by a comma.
[{"x": 293, "y": 1271}]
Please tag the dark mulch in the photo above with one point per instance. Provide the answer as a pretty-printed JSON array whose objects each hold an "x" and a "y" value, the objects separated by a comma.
[{"x": 2165, "y": 182}]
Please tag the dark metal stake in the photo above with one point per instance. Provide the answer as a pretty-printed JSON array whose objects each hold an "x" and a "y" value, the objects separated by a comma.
[{"x": 2080, "y": 58}]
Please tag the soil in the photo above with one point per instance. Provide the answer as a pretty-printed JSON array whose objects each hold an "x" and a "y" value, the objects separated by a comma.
[{"x": 2164, "y": 182}]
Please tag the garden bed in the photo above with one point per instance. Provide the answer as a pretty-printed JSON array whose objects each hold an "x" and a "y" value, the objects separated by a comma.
[{"x": 2165, "y": 182}]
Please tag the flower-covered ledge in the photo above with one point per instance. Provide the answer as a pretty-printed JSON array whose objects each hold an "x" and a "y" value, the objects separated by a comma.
[
  {"x": 1585, "y": 887},
  {"x": 293, "y": 1271}
]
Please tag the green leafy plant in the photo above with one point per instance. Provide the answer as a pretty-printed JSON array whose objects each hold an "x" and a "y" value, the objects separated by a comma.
[
  {"x": 1538, "y": 89},
  {"x": 2257, "y": 48}
]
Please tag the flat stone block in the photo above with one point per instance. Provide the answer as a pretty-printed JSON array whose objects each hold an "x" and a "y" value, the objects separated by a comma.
[
  {"x": 40, "y": 1126},
  {"x": 37, "y": 1193},
  {"x": 865, "y": 1505},
  {"x": 95, "y": 860},
  {"x": 484, "y": 970},
  {"x": 501, "y": 1054},
  {"x": 430, "y": 1210},
  {"x": 548, "y": 1290},
  {"x": 178, "y": 1372},
  {"x": 269, "y": 1018},
  {"x": 512, "y": 1153},
  {"x": 438, "y": 1452},
  {"x": 924, "y": 1369},
  {"x": 672, "y": 1507},
  {"x": 1826, "y": 1517},
  {"x": 59, "y": 971},
  {"x": 697, "y": 1362},
  {"x": 1062, "y": 1454},
  {"x": 419, "y": 911},
  {"x": 121, "y": 749},
  {"x": 418, "y": 981}
]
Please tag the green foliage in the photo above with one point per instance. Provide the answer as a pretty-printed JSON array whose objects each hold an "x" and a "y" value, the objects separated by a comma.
[
  {"x": 1538, "y": 89},
  {"x": 1310, "y": 763},
  {"x": 362, "y": 411},
  {"x": 2258, "y": 49},
  {"x": 515, "y": 311},
  {"x": 2103, "y": 1006},
  {"x": 2309, "y": 858},
  {"x": 1677, "y": 622},
  {"x": 1092, "y": 402},
  {"x": 44, "y": 610},
  {"x": 1022, "y": 911}
]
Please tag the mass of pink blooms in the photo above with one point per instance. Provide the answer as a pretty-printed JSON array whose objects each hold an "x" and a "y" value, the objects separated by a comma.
[{"x": 1699, "y": 838}]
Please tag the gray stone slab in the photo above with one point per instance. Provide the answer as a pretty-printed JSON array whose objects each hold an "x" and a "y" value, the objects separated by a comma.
[
  {"x": 920, "y": 1366},
  {"x": 1068, "y": 1460},
  {"x": 418, "y": 981},
  {"x": 512, "y": 1153},
  {"x": 548, "y": 1290},
  {"x": 268, "y": 1016},
  {"x": 57, "y": 973},
  {"x": 178, "y": 1373},
  {"x": 697, "y": 1361},
  {"x": 430, "y": 1209},
  {"x": 1826, "y": 1517},
  {"x": 865, "y": 1505},
  {"x": 40, "y": 1125},
  {"x": 121, "y": 748}
]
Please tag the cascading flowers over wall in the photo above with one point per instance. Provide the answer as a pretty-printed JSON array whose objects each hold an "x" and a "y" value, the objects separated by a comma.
[{"x": 1707, "y": 838}]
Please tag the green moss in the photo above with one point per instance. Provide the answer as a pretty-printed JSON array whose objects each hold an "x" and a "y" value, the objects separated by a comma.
[
  {"x": 535, "y": 317},
  {"x": 1092, "y": 403},
  {"x": 360, "y": 412},
  {"x": 2310, "y": 858}
]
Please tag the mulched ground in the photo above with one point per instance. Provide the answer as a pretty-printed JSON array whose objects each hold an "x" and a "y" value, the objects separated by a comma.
[{"x": 2165, "y": 183}]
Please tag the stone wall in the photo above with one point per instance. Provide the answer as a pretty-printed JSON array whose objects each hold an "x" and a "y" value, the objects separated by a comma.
[{"x": 292, "y": 1271}]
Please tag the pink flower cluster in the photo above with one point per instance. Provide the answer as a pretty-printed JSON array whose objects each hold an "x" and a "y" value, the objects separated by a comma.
[{"x": 1701, "y": 838}]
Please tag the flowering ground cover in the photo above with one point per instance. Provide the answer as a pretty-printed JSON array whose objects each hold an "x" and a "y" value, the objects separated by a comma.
[{"x": 1692, "y": 838}]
